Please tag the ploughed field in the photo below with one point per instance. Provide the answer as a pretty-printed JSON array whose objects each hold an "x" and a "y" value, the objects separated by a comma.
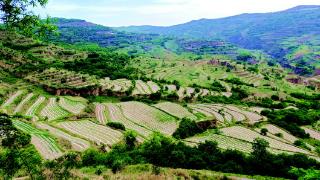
[{"x": 58, "y": 124}]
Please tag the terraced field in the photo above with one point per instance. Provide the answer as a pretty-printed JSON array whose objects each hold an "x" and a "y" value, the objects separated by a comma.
[
  {"x": 71, "y": 106},
  {"x": 141, "y": 88},
  {"x": 100, "y": 113},
  {"x": 226, "y": 113},
  {"x": 212, "y": 112},
  {"x": 224, "y": 142},
  {"x": 276, "y": 130},
  {"x": 34, "y": 107},
  {"x": 153, "y": 86},
  {"x": 44, "y": 143},
  {"x": 11, "y": 99},
  {"x": 115, "y": 115},
  {"x": 53, "y": 111},
  {"x": 175, "y": 110},
  {"x": 92, "y": 132},
  {"x": 149, "y": 117},
  {"x": 313, "y": 133},
  {"x": 62, "y": 78},
  {"x": 118, "y": 85},
  {"x": 22, "y": 103},
  {"x": 76, "y": 143},
  {"x": 249, "y": 135}
]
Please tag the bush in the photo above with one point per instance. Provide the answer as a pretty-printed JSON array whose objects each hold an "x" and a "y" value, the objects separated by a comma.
[
  {"x": 186, "y": 129},
  {"x": 264, "y": 131},
  {"x": 116, "y": 125}
]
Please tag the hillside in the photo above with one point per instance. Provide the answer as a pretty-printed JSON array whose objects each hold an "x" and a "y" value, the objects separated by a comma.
[
  {"x": 97, "y": 103},
  {"x": 278, "y": 34}
]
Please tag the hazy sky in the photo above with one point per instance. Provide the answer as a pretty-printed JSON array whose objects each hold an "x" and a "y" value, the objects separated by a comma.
[{"x": 161, "y": 12}]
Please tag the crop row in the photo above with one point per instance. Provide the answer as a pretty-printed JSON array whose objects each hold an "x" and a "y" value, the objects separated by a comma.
[
  {"x": 9, "y": 101},
  {"x": 93, "y": 132},
  {"x": 149, "y": 116},
  {"x": 175, "y": 110},
  {"x": 53, "y": 111},
  {"x": 46, "y": 145},
  {"x": 73, "y": 107},
  {"x": 76, "y": 143},
  {"x": 249, "y": 135},
  {"x": 33, "y": 108},
  {"x": 115, "y": 115},
  {"x": 23, "y": 102}
]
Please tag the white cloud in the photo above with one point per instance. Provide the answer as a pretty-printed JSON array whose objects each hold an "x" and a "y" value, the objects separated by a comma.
[{"x": 162, "y": 12}]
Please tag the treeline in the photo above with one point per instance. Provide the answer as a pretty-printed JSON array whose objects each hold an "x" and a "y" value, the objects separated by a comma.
[{"x": 166, "y": 152}]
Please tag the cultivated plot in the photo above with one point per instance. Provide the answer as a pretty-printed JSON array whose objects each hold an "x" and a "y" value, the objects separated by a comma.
[
  {"x": 149, "y": 117},
  {"x": 92, "y": 131},
  {"x": 43, "y": 142}
]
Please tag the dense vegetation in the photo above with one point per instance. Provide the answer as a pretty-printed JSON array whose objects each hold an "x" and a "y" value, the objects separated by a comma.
[
  {"x": 291, "y": 120},
  {"x": 103, "y": 64},
  {"x": 16, "y": 152},
  {"x": 165, "y": 152}
]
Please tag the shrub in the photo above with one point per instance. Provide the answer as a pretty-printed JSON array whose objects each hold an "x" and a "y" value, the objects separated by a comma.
[
  {"x": 116, "y": 125},
  {"x": 264, "y": 131}
]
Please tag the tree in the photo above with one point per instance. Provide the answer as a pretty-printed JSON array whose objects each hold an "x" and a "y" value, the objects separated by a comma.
[
  {"x": 17, "y": 16},
  {"x": 264, "y": 131},
  {"x": 130, "y": 139},
  {"x": 308, "y": 174},
  {"x": 260, "y": 148}
]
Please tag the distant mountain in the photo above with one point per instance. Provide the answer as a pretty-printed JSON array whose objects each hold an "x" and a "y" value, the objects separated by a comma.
[
  {"x": 247, "y": 30},
  {"x": 264, "y": 31},
  {"x": 76, "y": 30}
]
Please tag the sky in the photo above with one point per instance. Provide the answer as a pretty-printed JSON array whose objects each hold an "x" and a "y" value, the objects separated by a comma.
[{"x": 160, "y": 12}]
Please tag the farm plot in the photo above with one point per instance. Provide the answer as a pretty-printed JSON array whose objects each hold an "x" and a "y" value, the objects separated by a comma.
[
  {"x": 190, "y": 91},
  {"x": 250, "y": 116},
  {"x": 170, "y": 88},
  {"x": 23, "y": 102},
  {"x": 12, "y": 98},
  {"x": 93, "y": 132},
  {"x": 115, "y": 115},
  {"x": 46, "y": 145},
  {"x": 175, "y": 110},
  {"x": 181, "y": 92},
  {"x": 72, "y": 106},
  {"x": 76, "y": 143},
  {"x": 249, "y": 135},
  {"x": 313, "y": 133},
  {"x": 276, "y": 130},
  {"x": 224, "y": 142},
  {"x": 100, "y": 113},
  {"x": 211, "y": 112},
  {"x": 141, "y": 88},
  {"x": 53, "y": 111},
  {"x": 33, "y": 108},
  {"x": 150, "y": 117},
  {"x": 236, "y": 115},
  {"x": 62, "y": 78},
  {"x": 153, "y": 86}
]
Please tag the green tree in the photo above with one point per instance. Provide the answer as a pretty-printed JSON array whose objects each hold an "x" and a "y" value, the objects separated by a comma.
[
  {"x": 260, "y": 148},
  {"x": 32, "y": 162},
  {"x": 17, "y": 16},
  {"x": 264, "y": 131},
  {"x": 308, "y": 174}
]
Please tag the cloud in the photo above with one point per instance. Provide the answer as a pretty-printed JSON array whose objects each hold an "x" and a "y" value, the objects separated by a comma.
[{"x": 161, "y": 12}]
